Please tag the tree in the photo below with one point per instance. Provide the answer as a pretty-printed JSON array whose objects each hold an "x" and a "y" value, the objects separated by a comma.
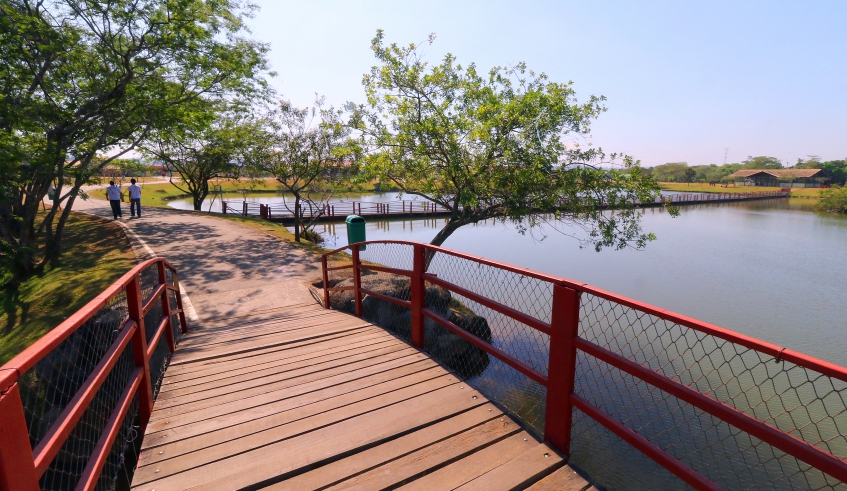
[
  {"x": 82, "y": 78},
  {"x": 673, "y": 172},
  {"x": 493, "y": 146},
  {"x": 304, "y": 149},
  {"x": 833, "y": 199},
  {"x": 212, "y": 146},
  {"x": 761, "y": 163}
]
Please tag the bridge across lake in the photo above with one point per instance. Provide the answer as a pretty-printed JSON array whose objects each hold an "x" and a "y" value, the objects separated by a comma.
[{"x": 433, "y": 369}]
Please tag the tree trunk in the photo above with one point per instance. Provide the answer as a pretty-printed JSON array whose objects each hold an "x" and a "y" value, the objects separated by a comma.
[
  {"x": 298, "y": 223},
  {"x": 447, "y": 231},
  {"x": 53, "y": 249}
]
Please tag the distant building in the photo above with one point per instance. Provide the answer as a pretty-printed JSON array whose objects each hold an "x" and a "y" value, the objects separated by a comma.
[{"x": 782, "y": 178}]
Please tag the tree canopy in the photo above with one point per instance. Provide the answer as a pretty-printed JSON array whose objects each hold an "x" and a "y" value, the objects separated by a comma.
[
  {"x": 304, "y": 149},
  {"x": 504, "y": 144},
  {"x": 212, "y": 144},
  {"x": 82, "y": 79}
]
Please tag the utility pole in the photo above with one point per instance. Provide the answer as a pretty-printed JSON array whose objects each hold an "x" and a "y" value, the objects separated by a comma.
[{"x": 725, "y": 153}]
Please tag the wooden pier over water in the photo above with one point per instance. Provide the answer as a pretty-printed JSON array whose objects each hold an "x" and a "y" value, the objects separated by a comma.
[{"x": 338, "y": 211}]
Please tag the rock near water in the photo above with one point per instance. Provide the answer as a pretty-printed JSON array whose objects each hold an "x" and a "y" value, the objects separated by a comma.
[{"x": 446, "y": 347}]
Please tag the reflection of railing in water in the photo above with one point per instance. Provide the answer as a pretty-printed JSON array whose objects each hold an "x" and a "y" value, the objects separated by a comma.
[
  {"x": 589, "y": 370},
  {"x": 410, "y": 209},
  {"x": 73, "y": 406}
]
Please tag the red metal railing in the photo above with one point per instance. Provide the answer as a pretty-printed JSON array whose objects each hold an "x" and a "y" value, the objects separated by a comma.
[
  {"x": 70, "y": 402},
  {"x": 695, "y": 398}
]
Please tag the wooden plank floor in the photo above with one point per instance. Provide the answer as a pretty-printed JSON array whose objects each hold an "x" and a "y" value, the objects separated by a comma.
[{"x": 306, "y": 398}]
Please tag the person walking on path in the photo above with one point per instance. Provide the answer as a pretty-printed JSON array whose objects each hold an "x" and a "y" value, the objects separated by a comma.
[
  {"x": 134, "y": 199},
  {"x": 114, "y": 194}
]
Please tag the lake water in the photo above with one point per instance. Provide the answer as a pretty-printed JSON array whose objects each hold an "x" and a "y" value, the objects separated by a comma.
[{"x": 769, "y": 269}]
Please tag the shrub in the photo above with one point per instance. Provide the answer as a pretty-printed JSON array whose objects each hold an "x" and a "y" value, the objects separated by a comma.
[{"x": 833, "y": 199}]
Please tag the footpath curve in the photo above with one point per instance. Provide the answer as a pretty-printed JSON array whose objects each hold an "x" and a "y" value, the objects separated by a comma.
[{"x": 226, "y": 268}]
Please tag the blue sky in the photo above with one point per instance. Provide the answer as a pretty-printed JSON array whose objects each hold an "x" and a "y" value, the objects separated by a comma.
[{"x": 684, "y": 80}]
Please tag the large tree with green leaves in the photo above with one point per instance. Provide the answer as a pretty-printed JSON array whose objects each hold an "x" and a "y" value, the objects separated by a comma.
[
  {"x": 82, "y": 79},
  {"x": 305, "y": 149},
  {"x": 211, "y": 144},
  {"x": 506, "y": 144}
]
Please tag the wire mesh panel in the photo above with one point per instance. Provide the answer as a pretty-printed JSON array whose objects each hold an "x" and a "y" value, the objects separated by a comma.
[
  {"x": 148, "y": 278},
  {"x": 123, "y": 456},
  {"x": 520, "y": 395},
  {"x": 510, "y": 310},
  {"x": 50, "y": 385},
  {"x": 798, "y": 401},
  {"x": 69, "y": 464}
]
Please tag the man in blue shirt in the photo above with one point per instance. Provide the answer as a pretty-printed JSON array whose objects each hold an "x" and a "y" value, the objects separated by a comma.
[
  {"x": 134, "y": 198},
  {"x": 114, "y": 194}
]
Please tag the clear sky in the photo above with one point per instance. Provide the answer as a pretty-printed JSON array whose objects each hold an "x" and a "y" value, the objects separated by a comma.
[{"x": 685, "y": 80}]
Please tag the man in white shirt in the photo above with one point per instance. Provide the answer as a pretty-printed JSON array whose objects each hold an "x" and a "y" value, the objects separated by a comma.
[
  {"x": 134, "y": 198},
  {"x": 114, "y": 194}
]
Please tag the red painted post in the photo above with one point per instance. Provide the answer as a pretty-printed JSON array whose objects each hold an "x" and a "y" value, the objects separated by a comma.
[
  {"x": 561, "y": 369},
  {"x": 326, "y": 281},
  {"x": 418, "y": 294},
  {"x": 182, "y": 323},
  {"x": 166, "y": 307},
  {"x": 357, "y": 281},
  {"x": 244, "y": 208},
  {"x": 223, "y": 207},
  {"x": 17, "y": 469},
  {"x": 139, "y": 351}
]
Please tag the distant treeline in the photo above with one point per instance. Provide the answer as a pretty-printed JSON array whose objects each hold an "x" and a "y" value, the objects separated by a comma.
[{"x": 714, "y": 174}]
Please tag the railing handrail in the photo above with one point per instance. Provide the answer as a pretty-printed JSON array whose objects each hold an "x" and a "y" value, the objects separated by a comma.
[
  {"x": 21, "y": 465},
  {"x": 564, "y": 343},
  {"x": 26, "y": 359},
  {"x": 778, "y": 352}
]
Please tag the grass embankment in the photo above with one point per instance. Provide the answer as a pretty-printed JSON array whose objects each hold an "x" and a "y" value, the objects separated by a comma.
[
  {"x": 96, "y": 254},
  {"x": 705, "y": 188}
]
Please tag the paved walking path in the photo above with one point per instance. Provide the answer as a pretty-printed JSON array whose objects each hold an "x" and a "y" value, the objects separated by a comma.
[{"x": 225, "y": 267}]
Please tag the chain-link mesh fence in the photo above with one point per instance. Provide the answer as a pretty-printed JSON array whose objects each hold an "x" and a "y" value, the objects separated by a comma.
[
  {"x": 800, "y": 402},
  {"x": 520, "y": 395},
  {"x": 796, "y": 400},
  {"x": 50, "y": 386},
  {"x": 517, "y": 393}
]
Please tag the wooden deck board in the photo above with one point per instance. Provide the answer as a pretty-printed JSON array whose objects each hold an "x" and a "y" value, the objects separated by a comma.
[{"x": 306, "y": 398}]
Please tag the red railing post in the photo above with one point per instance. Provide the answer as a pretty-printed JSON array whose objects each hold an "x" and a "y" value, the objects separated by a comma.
[
  {"x": 418, "y": 294},
  {"x": 325, "y": 274},
  {"x": 182, "y": 324},
  {"x": 561, "y": 368},
  {"x": 17, "y": 469},
  {"x": 357, "y": 281},
  {"x": 223, "y": 207},
  {"x": 166, "y": 307},
  {"x": 139, "y": 350}
]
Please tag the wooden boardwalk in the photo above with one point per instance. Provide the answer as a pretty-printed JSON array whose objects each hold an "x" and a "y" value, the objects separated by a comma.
[{"x": 306, "y": 398}]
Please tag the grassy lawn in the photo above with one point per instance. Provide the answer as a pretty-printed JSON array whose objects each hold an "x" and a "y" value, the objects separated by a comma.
[
  {"x": 96, "y": 254},
  {"x": 705, "y": 188}
]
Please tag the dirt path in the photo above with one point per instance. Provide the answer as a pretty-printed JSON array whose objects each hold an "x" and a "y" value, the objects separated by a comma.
[{"x": 226, "y": 268}]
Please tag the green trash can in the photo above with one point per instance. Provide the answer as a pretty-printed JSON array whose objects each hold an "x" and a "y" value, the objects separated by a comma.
[{"x": 356, "y": 230}]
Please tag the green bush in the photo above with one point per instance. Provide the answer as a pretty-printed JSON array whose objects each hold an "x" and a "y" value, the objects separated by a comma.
[{"x": 833, "y": 199}]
